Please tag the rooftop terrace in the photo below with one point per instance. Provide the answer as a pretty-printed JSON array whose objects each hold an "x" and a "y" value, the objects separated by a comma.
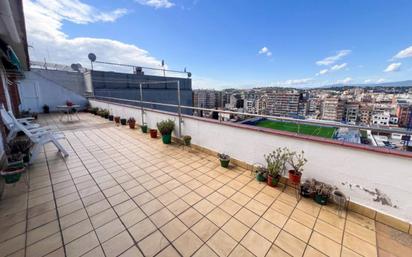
[{"x": 121, "y": 193}]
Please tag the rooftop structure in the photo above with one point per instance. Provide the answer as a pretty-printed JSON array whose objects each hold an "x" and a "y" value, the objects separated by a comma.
[{"x": 121, "y": 193}]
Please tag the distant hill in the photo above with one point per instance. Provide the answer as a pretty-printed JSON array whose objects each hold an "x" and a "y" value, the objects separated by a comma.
[{"x": 406, "y": 83}]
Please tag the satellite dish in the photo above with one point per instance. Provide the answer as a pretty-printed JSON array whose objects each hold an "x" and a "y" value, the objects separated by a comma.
[
  {"x": 92, "y": 57},
  {"x": 76, "y": 67},
  {"x": 189, "y": 74}
]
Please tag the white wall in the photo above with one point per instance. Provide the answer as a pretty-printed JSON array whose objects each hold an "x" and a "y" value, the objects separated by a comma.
[
  {"x": 36, "y": 90},
  {"x": 334, "y": 164}
]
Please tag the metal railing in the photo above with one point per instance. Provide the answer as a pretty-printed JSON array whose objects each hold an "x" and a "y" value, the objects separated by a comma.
[{"x": 141, "y": 104}]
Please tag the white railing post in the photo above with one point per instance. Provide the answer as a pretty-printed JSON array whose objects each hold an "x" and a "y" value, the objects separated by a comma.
[
  {"x": 179, "y": 110},
  {"x": 141, "y": 102}
]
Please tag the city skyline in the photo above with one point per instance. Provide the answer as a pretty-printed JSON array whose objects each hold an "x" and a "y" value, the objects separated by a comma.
[{"x": 276, "y": 44}]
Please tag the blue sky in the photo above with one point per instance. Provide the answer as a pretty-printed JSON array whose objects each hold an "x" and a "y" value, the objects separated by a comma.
[{"x": 251, "y": 43}]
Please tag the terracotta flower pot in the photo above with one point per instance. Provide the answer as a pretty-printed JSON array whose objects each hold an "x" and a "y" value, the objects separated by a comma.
[
  {"x": 132, "y": 125},
  {"x": 294, "y": 176},
  {"x": 153, "y": 133},
  {"x": 117, "y": 119}
]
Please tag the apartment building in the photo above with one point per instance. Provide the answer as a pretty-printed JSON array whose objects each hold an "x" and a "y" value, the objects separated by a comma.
[
  {"x": 365, "y": 113},
  {"x": 381, "y": 119},
  {"x": 352, "y": 113},
  {"x": 283, "y": 103},
  {"x": 261, "y": 104},
  {"x": 205, "y": 99},
  {"x": 333, "y": 108},
  {"x": 404, "y": 114}
]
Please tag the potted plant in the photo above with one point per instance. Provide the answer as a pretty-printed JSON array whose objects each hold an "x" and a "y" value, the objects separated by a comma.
[
  {"x": 307, "y": 189},
  {"x": 165, "y": 128},
  {"x": 46, "y": 109},
  {"x": 276, "y": 165},
  {"x": 69, "y": 103},
  {"x": 12, "y": 174},
  {"x": 123, "y": 121},
  {"x": 297, "y": 161},
  {"x": 106, "y": 113},
  {"x": 322, "y": 193},
  {"x": 186, "y": 140},
  {"x": 111, "y": 117},
  {"x": 339, "y": 198},
  {"x": 94, "y": 110},
  {"x": 132, "y": 122},
  {"x": 153, "y": 133},
  {"x": 117, "y": 119},
  {"x": 20, "y": 146},
  {"x": 224, "y": 160},
  {"x": 261, "y": 174},
  {"x": 144, "y": 128}
]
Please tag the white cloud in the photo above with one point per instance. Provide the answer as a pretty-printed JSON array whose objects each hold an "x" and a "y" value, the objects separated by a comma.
[
  {"x": 294, "y": 82},
  {"x": 44, "y": 28},
  {"x": 264, "y": 50},
  {"x": 338, "y": 66},
  {"x": 370, "y": 81},
  {"x": 157, "y": 3},
  {"x": 322, "y": 72},
  {"x": 332, "y": 69},
  {"x": 346, "y": 80},
  {"x": 393, "y": 67},
  {"x": 334, "y": 58},
  {"x": 405, "y": 53},
  {"x": 76, "y": 11}
]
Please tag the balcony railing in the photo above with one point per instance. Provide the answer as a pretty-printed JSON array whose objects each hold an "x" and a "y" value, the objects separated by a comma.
[{"x": 375, "y": 130}]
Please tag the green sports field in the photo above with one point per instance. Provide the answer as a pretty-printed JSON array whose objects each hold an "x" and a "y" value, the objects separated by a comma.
[{"x": 312, "y": 130}]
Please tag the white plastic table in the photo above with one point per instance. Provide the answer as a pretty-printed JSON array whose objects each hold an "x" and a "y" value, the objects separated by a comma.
[{"x": 68, "y": 111}]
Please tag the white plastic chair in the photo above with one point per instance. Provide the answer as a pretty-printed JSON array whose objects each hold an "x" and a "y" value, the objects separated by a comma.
[
  {"x": 40, "y": 138},
  {"x": 10, "y": 122}
]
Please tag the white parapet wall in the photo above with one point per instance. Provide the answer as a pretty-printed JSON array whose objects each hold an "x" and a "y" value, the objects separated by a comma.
[{"x": 379, "y": 181}]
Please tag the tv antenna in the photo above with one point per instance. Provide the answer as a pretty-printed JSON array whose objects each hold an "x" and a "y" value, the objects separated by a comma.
[{"x": 92, "y": 57}]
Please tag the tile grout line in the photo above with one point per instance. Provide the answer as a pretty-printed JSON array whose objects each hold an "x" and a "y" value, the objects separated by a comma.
[{"x": 55, "y": 202}]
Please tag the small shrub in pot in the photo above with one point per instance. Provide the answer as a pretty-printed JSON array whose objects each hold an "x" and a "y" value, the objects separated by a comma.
[
  {"x": 276, "y": 165},
  {"x": 186, "y": 140},
  {"x": 165, "y": 128},
  {"x": 123, "y": 121},
  {"x": 117, "y": 119},
  {"x": 322, "y": 193},
  {"x": 297, "y": 161},
  {"x": 224, "y": 160},
  {"x": 132, "y": 122},
  {"x": 261, "y": 174},
  {"x": 153, "y": 133},
  {"x": 111, "y": 117}
]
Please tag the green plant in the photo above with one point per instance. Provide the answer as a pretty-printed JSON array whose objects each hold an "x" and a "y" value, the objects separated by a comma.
[
  {"x": 223, "y": 156},
  {"x": 261, "y": 174},
  {"x": 166, "y": 127},
  {"x": 297, "y": 161},
  {"x": 186, "y": 140},
  {"x": 276, "y": 161},
  {"x": 17, "y": 148},
  {"x": 94, "y": 110},
  {"x": 323, "y": 189}
]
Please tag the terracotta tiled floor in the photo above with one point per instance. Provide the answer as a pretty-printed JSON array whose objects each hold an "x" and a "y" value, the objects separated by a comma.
[{"x": 122, "y": 193}]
